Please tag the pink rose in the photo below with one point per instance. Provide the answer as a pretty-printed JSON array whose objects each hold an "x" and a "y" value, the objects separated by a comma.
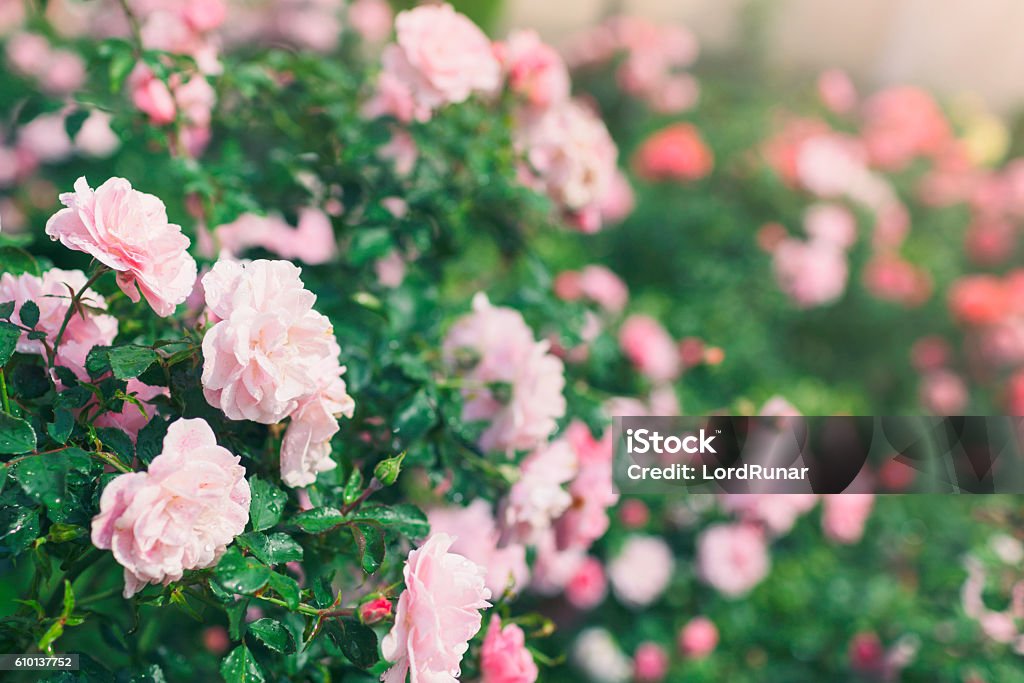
[
  {"x": 641, "y": 571},
  {"x": 44, "y": 138},
  {"x": 571, "y": 158},
  {"x": 475, "y": 535},
  {"x": 96, "y": 138},
  {"x": 511, "y": 380},
  {"x": 674, "y": 153},
  {"x": 732, "y": 558},
  {"x": 777, "y": 512},
  {"x": 151, "y": 96},
  {"x": 375, "y": 610},
  {"x": 698, "y": 638},
  {"x": 943, "y": 392},
  {"x": 440, "y": 57},
  {"x": 901, "y": 123},
  {"x": 204, "y": 15},
  {"x": 311, "y": 241},
  {"x": 836, "y": 91},
  {"x": 844, "y": 515},
  {"x": 586, "y": 520},
  {"x": 371, "y": 19},
  {"x": 588, "y": 586},
  {"x": 437, "y": 614},
  {"x": 272, "y": 356},
  {"x": 535, "y": 71},
  {"x": 650, "y": 662},
  {"x": 595, "y": 283},
  {"x": 52, "y": 293},
  {"x": 832, "y": 224},
  {"x": 127, "y": 231},
  {"x": 504, "y": 657},
  {"x": 538, "y": 497},
  {"x": 180, "y": 514},
  {"x": 650, "y": 348},
  {"x": 619, "y": 201},
  {"x": 811, "y": 273}
]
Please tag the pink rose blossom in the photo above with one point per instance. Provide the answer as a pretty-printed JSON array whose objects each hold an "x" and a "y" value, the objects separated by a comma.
[
  {"x": 437, "y": 614},
  {"x": 571, "y": 158},
  {"x": 598, "y": 656},
  {"x": 538, "y": 497},
  {"x": 553, "y": 568},
  {"x": 375, "y": 610},
  {"x": 641, "y": 571},
  {"x": 844, "y": 515},
  {"x": 151, "y": 96},
  {"x": 698, "y": 638},
  {"x": 674, "y": 153},
  {"x": 535, "y": 71},
  {"x": 836, "y": 91},
  {"x": 588, "y": 585},
  {"x": 586, "y": 520},
  {"x": 476, "y": 536},
  {"x": 311, "y": 241},
  {"x": 901, "y": 123},
  {"x": 204, "y": 15},
  {"x": 650, "y": 348},
  {"x": 832, "y": 224},
  {"x": 811, "y": 273},
  {"x": 96, "y": 138},
  {"x": 45, "y": 138},
  {"x": 272, "y": 356},
  {"x": 943, "y": 392},
  {"x": 732, "y": 558},
  {"x": 504, "y": 657},
  {"x": 127, "y": 231},
  {"x": 52, "y": 293},
  {"x": 650, "y": 662},
  {"x": 440, "y": 57},
  {"x": 371, "y": 19},
  {"x": 777, "y": 512},
  {"x": 497, "y": 349},
  {"x": 619, "y": 201},
  {"x": 180, "y": 514}
]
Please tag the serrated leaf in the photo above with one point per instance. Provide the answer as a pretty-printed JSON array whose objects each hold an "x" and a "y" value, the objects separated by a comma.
[
  {"x": 130, "y": 361},
  {"x": 29, "y": 314},
  {"x": 63, "y": 422},
  {"x": 117, "y": 441},
  {"x": 9, "y": 335},
  {"x": 404, "y": 518},
  {"x": 97, "y": 362},
  {"x": 319, "y": 520},
  {"x": 16, "y": 435},
  {"x": 353, "y": 487},
  {"x": 273, "y": 634},
  {"x": 415, "y": 417},
  {"x": 267, "y": 504},
  {"x": 272, "y": 549},
  {"x": 17, "y": 261},
  {"x": 241, "y": 574},
  {"x": 44, "y": 478},
  {"x": 369, "y": 537},
  {"x": 150, "y": 442},
  {"x": 357, "y": 642},
  {"x": 6, "y": 310},
  {"x": 240, "y": 667},
  {"x": 287, "y": 588}
]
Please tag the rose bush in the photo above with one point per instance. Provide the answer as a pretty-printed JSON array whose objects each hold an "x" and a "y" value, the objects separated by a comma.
[{"x": 397, "y": 278}]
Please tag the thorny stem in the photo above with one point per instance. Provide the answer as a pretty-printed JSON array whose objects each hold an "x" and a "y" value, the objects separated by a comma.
[{"x": 76, "y": 299}]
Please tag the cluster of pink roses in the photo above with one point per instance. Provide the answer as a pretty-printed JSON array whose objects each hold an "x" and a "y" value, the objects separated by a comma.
[
  {"x": 180, "y": 514},
  {"x": 271, "y": 356}
]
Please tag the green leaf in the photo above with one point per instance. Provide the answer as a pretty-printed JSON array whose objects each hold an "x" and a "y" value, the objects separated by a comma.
[
  {"x": 150, "y": 442},
  {"x": 353, "y": 487},
  {"x": 241, "y": 574},
  {"x": 9, "y": 335},
  {"x": 97, "y": 362},
  {"x": 55, "y": 631},
  {"x": 151, "y": 674},
  {"x": 369, "y": 537},
  {"x": 356, "y": 641},
  {"x": 63, "y": 422},
  {"x": 240, "y": 667},
  {"x": 19, "y": 526},
  {"x": 131, "y": 361},
  {"x": 117, "y": 441},
  {"x": 319, "y": 520},
  {"x": 17, "y": 261},
  {"x": 369, "y": 244},
  {"x": 404, "y": 518},
  {"x": 287, "y": 588},
  {"x": 6, "y": 310},
  {"x": 267, "y": 504},
  {"x": 274, "y": 635},
  {"x": 272, "y": 549},
  {"x": 415, "y": 417},
  {"x": 16, "y": 435},
  {"x": 29, "y": 314},
  {"x": 44, "y": 478},
  {"x": 69, "y": 599}
]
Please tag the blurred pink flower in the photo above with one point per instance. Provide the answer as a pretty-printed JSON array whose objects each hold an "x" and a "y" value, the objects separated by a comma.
[
  {"x": 151, "y": 96},
  {"x": 778, "y": 512},
  {"x": 586, "y": 520},
  {"x": 475, "y": 535},
  {"x": 674, "y": 153},
  {"x": 844, "y": 515},
  {"x": 650, "y": 662},
  {"x": 311, "y": 241},
  {"x": 650, "y": 348},
  {"x": 96, "y": 138},
  {"x": 619, "y": 201},
  {"x": 44, "y": 139},
  {"x": 832, "y": 224},
  {"x": 901, "y": 123},
  {"x": 504, "y": 657},
  {"x": 588, "y": 585},
  {"x": 811, "y": 273},
  {"x": 732, "y": 558},
  {"x": 371, "y": 19},
  {"x": 641, "y": 571},
  {"x": 204, "y": 15},
  {"x": 52, "y": 293},
  {"x": 698, "y": 638},
  {"x": 440, "y": 57},
  {"x": 978, "y": 299},
  {"x": 596, "y": 283},
  {"x": 180, "y": 514},
  {"x": 891, "y": 278},
  {"x": 510, "y": 379},
  {"x": 836, "y": 91},
  {"x": 535, "y": 71},
  {"x": 437, "y": 614},
  {"x": 943, "y": 392},
  {"x": 538, "y": 497},
  {"x": 127, "y": 231}
]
